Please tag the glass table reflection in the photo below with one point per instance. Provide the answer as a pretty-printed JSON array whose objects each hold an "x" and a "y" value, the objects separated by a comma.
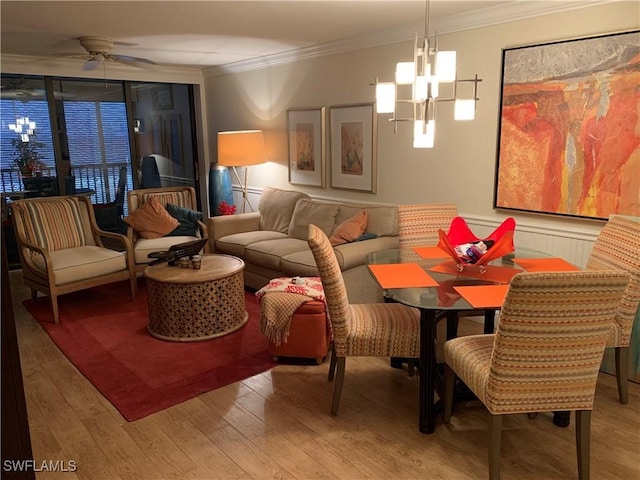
[{"x": 438, "y": 302}]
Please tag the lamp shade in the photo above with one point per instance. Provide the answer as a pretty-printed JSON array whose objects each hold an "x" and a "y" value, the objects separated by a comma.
[{"x": 241, "y": 148}]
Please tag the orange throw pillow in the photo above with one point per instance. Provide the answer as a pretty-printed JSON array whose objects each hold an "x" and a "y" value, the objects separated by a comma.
[
  {"x": 350, "y": 229},
  {"x": 152, "y": 220}
]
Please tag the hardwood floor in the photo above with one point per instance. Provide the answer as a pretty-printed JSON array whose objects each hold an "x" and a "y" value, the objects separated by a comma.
[{"x": 276, "y": 425}]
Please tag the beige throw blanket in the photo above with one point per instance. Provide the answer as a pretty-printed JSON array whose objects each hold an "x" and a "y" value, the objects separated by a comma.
[{"x": 285, "y": 297}]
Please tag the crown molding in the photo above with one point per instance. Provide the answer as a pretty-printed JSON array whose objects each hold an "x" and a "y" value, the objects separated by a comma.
[{"x": 511, "y": 12}]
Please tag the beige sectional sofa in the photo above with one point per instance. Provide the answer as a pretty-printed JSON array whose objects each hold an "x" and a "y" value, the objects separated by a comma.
[{"x": 273, "y": 241}]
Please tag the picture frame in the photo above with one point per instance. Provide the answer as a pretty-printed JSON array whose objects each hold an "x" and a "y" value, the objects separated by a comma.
[
  {"x": 565, "y": 141},
  {"x": 353, "y": 135},
  {"x": 162, "y": 97},
  {"x": 306, "y": 141}
]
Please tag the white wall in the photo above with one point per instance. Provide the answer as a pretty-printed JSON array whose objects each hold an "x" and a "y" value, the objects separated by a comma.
[{"x": 461, "y": 167}]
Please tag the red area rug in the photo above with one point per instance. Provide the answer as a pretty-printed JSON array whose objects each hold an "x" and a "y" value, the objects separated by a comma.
[{"x": 103, "y": 333}]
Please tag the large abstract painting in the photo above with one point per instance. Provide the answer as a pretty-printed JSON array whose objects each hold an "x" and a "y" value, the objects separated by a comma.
[{"x": 569, "y": 134}]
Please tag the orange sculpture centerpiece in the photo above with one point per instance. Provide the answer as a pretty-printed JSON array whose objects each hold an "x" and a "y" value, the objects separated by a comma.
[{"x": 467, "y": 249}]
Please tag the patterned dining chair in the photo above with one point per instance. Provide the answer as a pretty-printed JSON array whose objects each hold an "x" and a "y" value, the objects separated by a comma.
[
  {"x": 360, "y": 330},
  {"x": 545, "y": 354},
  {"x": 418, "y": 224},
  {"x": 618, "y": 247}
]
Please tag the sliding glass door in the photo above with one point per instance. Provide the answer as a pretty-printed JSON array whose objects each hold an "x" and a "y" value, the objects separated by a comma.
[
  {"x": 88, "y": 129},
  {"x": 92, "y": 130},
  {"x": 163, "y": 133}
]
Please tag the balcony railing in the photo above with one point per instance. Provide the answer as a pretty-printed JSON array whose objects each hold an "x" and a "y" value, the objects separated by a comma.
[{"x": 97, "y": 177}]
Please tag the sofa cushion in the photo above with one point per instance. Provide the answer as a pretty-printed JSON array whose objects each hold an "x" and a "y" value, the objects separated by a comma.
[
  {"x": 236, "y": 243},
  {"x": 306, "y": 212},
  {"x": 301, "y": 264},
  {"x": 151, "y": 220},
  {"x": 353, "y": 254},
  {"x": 276, "y": 207},
  {"x": 82, "y": 263},
  {"x": 382, "y": 220},
  {"x": 268, "y": 253},
  {"x": 349, "y": 230}
]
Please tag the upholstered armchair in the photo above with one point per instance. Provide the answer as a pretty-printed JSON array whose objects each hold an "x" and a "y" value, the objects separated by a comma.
[
  {"x": 61, "y": 248},
  {"x": 618, "y": 247},
  {"x": 545, "y": 354},
  {"x": 161, "y": 217},
  {"x": 373, "y": 330}
]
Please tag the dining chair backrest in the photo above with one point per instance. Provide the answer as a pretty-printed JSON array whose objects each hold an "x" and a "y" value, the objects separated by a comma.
[
  {"x": 618, "y": 247},
  {"x": 335, "y": 291},
  {"x": 418, "y": 224},
  {"x": 550, "y": 340}
]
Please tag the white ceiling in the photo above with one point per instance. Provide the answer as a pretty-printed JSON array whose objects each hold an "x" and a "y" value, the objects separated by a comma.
[{"x": 214, "y": 33}]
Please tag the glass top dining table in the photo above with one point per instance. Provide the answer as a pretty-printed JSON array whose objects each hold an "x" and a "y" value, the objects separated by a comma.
[{"x": 443, "y": 301}]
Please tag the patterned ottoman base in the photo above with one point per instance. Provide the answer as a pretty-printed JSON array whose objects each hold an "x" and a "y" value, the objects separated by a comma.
[{"x": 190, "y": 305}]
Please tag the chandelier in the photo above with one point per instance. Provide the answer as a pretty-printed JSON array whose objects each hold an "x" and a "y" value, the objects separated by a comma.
[
  {"x": 23, "y": 127},
  {"x": 419, "y": 86}
]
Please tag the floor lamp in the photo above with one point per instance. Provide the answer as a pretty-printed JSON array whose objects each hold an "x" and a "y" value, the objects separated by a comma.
[{"x": 241, "y": 149}]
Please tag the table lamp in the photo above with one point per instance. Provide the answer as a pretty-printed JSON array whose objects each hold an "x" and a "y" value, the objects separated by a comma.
[{"x": 241, "y": 149}]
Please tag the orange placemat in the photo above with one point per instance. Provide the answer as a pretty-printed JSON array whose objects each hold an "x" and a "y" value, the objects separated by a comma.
[
  {"x": 431, "y": 252},
  {"x": 483, "y": 296},
  {"x": 402, "y": 275},
  {"x": 545, "y": 264},
  {"x": 492, "y": 274}
]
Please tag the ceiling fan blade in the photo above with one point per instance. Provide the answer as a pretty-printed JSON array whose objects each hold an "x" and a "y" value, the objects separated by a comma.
[
  {"x": 91, "y": 64},
  {"x": 132, "y": 61}
]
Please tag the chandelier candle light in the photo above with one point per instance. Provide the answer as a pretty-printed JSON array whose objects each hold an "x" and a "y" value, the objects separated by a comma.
[
  {"x": 241, "y": 149},
  {"x": 421, "y": 79}
]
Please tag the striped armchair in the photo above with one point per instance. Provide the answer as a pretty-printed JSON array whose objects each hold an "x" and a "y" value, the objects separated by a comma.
[
  {"x": 374, "y": 330},
  {"x": 545, "y": 354},
  {"x": 61, "y": 248},
  {"x": 618, "y": 248},
  {"x": 180, "y": 196}
]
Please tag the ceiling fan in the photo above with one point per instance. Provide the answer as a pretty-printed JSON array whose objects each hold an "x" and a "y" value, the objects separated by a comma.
[{"x": 98, "y": 53}]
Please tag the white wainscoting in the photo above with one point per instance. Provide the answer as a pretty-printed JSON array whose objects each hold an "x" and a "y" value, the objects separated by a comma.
[{"x": 574, "y": 245}]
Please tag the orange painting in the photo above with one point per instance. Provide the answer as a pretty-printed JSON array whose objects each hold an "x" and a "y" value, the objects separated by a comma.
[
  {"x": 351, "y": 148},
  {"x": 569, "y": 128}
]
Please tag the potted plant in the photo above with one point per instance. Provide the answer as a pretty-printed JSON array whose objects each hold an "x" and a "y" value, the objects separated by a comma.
[{"x": 27, "y": 155}]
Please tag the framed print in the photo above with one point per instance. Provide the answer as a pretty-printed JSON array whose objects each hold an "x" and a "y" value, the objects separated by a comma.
[
  {"x": 306, "y": 138},
  {"x": 162, "y": 98},
  {"x": 568, "y": 138},
  {"x": 353, "y": 132}
]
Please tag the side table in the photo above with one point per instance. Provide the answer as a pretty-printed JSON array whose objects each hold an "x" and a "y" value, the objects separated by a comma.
[{"x": 187, "y": 305}]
